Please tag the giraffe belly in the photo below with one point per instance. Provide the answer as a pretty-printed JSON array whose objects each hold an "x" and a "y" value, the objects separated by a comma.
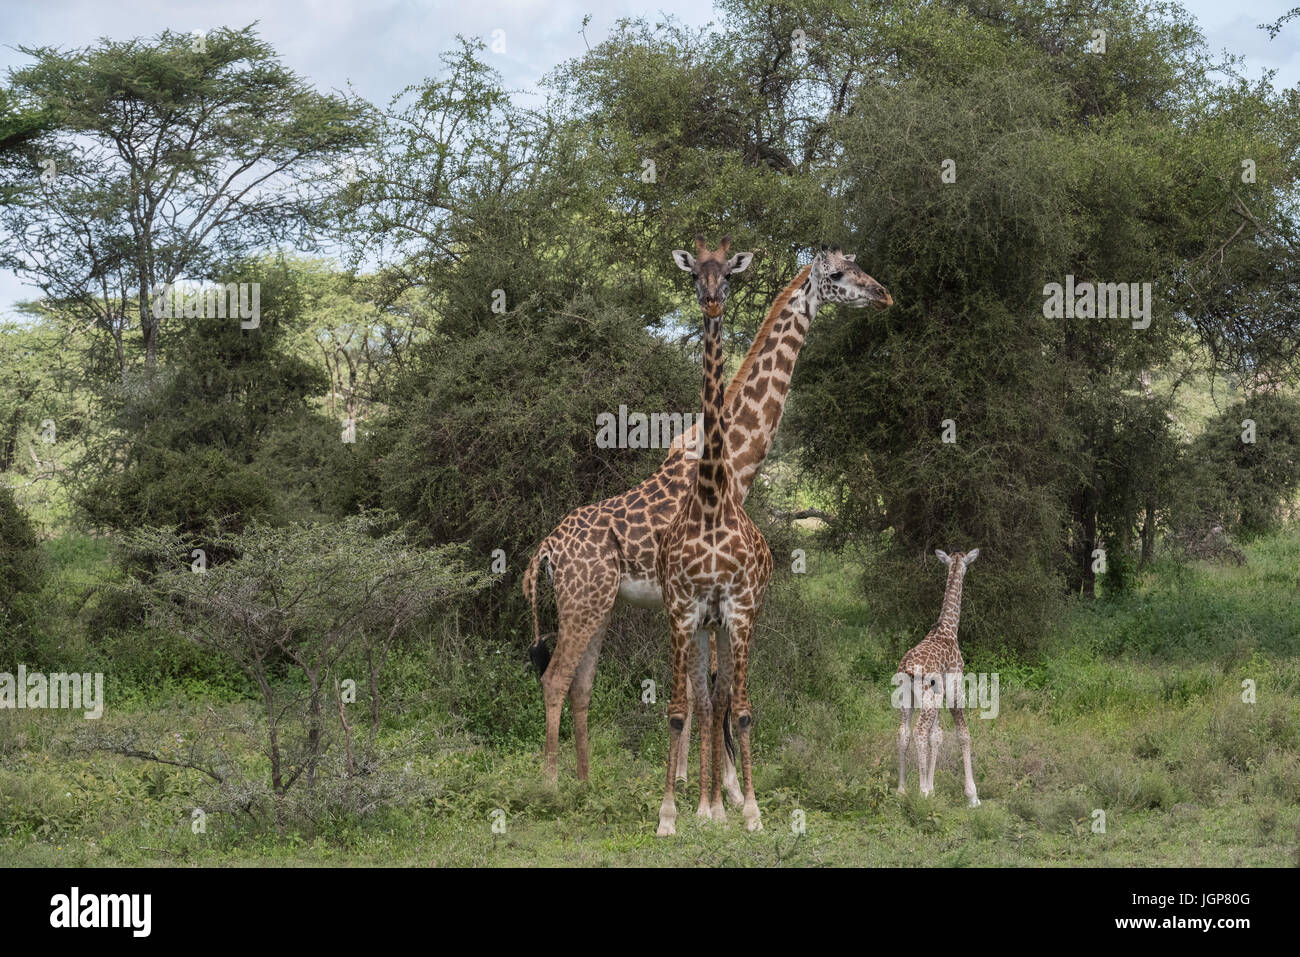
[{"x": 641, "y": 592}]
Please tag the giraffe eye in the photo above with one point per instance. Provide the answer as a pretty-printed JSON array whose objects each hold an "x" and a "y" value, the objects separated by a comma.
[{"x": 837, "y": 276}]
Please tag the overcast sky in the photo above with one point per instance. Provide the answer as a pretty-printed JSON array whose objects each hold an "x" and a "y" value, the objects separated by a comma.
[{"x": 380, "y": 46}]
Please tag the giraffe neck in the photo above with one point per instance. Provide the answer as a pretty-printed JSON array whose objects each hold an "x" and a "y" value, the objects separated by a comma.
[
  {"x": 950, "y": 616},
  {"x": 713, "y": 479},
  {"x": 755, "y": 399}
]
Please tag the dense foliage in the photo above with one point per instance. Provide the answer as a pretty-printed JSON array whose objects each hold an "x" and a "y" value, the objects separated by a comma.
[{"x": 512, "y": 280}]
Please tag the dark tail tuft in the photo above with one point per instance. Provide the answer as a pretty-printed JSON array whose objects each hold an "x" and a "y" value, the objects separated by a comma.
[
  {"x": 540, "y": 655},
  {"x": 726, "y": 723},
  {"x": 537, "y": 651},
  {"x": 726, "y": 734}
]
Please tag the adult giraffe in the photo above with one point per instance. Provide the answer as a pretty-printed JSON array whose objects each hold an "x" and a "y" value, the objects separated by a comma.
[
  {"x": 714, "y": 565},
  {"x": 608, "y": 550}
]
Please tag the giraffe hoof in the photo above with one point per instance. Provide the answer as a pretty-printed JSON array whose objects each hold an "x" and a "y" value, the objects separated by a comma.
[
  {"x": 901, "y": 791},
  {"x": 667, "y": 818},
  {"x": 753, "y": 821},
  {"x": 719, "y": 814},
  {"x": 974, "y": 802},
  {"x": 703, "y": 812}
]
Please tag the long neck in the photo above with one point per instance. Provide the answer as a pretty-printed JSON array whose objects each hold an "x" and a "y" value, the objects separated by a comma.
[
  {"x": 755, "y": 399},
  {"x": 713, "y": 473},
  {"x": 951, "y": 613}
]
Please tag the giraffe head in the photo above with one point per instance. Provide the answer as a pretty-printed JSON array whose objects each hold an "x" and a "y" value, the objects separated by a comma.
[
  {"x": 838, "y": 279},
  {"x": 710, "y": 269},
  {"x": 958, "y": 562}
]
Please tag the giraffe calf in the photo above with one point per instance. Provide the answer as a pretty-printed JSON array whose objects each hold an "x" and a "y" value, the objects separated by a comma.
[{"x": 933, "y": 669}]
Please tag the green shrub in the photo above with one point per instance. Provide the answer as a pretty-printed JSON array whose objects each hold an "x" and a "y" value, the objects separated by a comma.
[
  {"x": 184, "y": 450},
  {"x": 1245, "y": 486},
  {"x": 22, "y": 571}
]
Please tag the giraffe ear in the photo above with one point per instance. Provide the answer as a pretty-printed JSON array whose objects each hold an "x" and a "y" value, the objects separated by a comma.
[
  {"x": 943, "y": 557},
  {"x": 684, "y": 260},
  {"x": 971, "y": 555},
  {"x": 851, "y": 257},
  {"x": 739, "y": 262}
]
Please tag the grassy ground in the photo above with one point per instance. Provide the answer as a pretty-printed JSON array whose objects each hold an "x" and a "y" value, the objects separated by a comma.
[{"x": 1135, "y": 710}]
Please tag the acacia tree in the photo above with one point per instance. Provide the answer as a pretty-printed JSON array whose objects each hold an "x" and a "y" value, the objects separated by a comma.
[
  {"x": 190, "y": 452},
  {"x": 170, "y": 157},
  {"x": 441, "y": 144},
  {"x": 1119, "y": 166},
  {"x": 39, "y": 405},
  {"x": 796, "y": 124},
  {"x": 21, "y": 126},
  {"x": 359, "y": 339}
]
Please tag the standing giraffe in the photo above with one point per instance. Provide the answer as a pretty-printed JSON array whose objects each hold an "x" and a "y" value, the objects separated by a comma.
[
  {"x": 713, "y": 564},
  {"x": 714, "y": 567},
  {"x": 933, "y": 671},
  {"x": 607, "y": 551},
  {"x": 710, "y": 270}
]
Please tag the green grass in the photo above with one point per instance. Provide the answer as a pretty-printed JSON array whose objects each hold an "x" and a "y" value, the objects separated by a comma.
[{"x": 1135, "y": 710}]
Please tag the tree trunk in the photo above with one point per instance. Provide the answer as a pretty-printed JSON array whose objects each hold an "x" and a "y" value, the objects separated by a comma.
[
  {"x": 1149, "y": 534},
  {"x": 313, "y": 731},
  {"x": 148, "y": 324},
  {"x": 1083, "y": 514},
  {"x": 9, "y": 451}
]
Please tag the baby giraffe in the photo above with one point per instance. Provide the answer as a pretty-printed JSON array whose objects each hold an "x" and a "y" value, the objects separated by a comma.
[
  {"x": 932, "y": 671},
  {"x": 714, "y": 566}
]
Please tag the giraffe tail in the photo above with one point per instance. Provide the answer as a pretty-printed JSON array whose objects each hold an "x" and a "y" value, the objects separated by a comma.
[
  {"x": 726, "y": 723},
  {"x": 537, "y": 651}
]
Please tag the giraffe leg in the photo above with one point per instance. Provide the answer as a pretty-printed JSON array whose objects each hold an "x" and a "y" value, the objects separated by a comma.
[
  {"x": 584, "y": 598},
  {"x": 722, "y": 691},
  {"x": 922, "y": 737},
  {"x": 676, "y": 721},
  {"x": 904, "y": 733},
  {"x": 580, "y": 701},
  {"x": 936, "y": 739},
  {"x": 699, "y": 681},
  {"x": 740, "y": 633},
  {"x": 684, "y": 752},
  {"x": 730, "y": 783},
  {"x": 553, "y": 692},
  {"x": 963, "y": 735}
]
